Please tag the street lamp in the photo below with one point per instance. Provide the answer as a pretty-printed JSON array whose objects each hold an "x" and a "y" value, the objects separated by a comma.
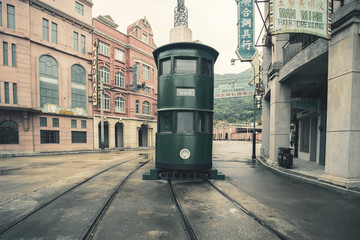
[{"x": 253, "y": 156}]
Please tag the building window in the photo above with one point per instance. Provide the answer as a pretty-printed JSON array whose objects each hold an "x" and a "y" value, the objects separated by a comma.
[
  {"x": 185, "y": 65},
  {"x": 13, "y": 55},
  {"x": 119, "y": 55},
  {"x": 45, "y": 29},
  {"x": 43, "y": 122},
  {"x": 9, "y": 133},
  {"x": 119, "y": 105},
  {"x": 185, "y": 122},
  {"x": 104, "y": 74},
  {"x": 106, "y": 102},
  {"x": 146, "y": 108},
  {"x": 146, "y": 72},
  {"x": 82, "y": 44},
  {"x": 76, "y": 42},
  {"x": 137, "y": 106},
  {"x": 54, "y": 33},
  {"x": 14, "y": 93},
  {"x": 78, "y": 86},
  {"x": 55, "y": 122},
  {"x": 7, "y": 95},
  {"x": 104, "y": 48},
  {"x": 47, "y": 136},
  {"x": 78, "y": 137},
  {"x": 0, "y": 14},
  {"x": 5, "y": 54},
  {"x": 83, "y": 123},
  {"x": 73, "y": 123},
  {"x": 144, "y": 38},
  {"x": 165, "y": 66},
  {"x": 10, "y": 16},
  {"x": 79, "y": 8},
  {"x": 119, "y": 79},
  {"x": 49, "y": 86}
]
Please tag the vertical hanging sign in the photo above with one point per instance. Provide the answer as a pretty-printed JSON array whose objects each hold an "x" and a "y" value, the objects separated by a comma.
[
  {"x": 246, "y": 21},
  {"x": 95, "y": 73}
]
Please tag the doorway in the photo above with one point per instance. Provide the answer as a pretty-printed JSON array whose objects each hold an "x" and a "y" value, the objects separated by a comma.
[
  {"x": 143, "y": 136},
  {"x": 106, "y": 134},
  {"x": 119, "y": 135}
]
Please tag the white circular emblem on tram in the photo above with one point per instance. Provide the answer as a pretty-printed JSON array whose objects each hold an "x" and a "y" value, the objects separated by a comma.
[{"x": 184, "y": 153}]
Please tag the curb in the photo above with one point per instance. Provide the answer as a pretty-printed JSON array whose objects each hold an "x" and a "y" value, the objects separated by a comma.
[{"x": 310, "y": 180}]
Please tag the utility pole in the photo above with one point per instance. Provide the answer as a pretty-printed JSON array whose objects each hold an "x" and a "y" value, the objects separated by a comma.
[
  {"x": 102, "y": 144},
  {"x": 253, "y": 157}
]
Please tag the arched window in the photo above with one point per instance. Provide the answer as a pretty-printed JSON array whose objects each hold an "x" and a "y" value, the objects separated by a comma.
[
  {"x": 9, "y": 133},
  {"x": 137, "y": 105},
  {"x": 146, "y": 108},
  {"x": 119, "y": 104},
  {"x": 78, "y": 86},
  {"x": 104, "y": 74},
  {"x": 106, "y": 102},
  {"x": 119, "y": 79},
  {"x": 49, "y": 83}
]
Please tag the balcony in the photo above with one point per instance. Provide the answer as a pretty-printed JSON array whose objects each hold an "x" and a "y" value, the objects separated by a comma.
[{"x": 297, "y": 43}]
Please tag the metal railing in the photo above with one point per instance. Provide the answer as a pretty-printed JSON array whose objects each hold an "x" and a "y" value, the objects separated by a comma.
[{"x": 297, "y": 43}]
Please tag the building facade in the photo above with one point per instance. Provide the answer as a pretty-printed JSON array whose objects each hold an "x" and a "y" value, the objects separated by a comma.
[
  {"x": 237, "y": 132},
  {"x": 312, "y": 96},
  {"x": 127, "y": 69},
  {"x": 44, "y": 87}
]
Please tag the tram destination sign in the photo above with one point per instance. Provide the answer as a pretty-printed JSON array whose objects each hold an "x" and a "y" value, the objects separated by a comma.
[
  {"x": 233, "y": 90},
  {"x": 299, "y": 16}
]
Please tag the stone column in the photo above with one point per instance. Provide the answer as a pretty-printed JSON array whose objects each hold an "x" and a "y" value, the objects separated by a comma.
[
  {"x": 280, "y": 102},
  {"x": 342, "y": 166}
]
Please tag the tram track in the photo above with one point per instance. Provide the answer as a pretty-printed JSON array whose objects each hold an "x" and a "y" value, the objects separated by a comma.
[
  {"x": 190, "y": 231},
  {"x": 247, "y": 212},
  {"x": 89, "y": 233},
  {"x": 43, "y": 205}
]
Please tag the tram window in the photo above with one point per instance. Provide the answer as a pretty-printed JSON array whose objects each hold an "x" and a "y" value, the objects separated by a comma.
[
  {"x": 185, "y": 65},
  {"x": 165, "y": 121},
  {"x": 206, "y": 67},
  {"x": 204, "y": 122},
  {"x": 165, "y": 66},
  {"x": 185, "y": 122}
]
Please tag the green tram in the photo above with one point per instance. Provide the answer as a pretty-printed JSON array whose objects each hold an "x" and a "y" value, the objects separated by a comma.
[{"x": 185, "y": 111}]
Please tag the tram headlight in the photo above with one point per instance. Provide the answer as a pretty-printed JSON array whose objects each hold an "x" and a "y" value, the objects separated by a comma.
[{"x": 184, "y": 153}]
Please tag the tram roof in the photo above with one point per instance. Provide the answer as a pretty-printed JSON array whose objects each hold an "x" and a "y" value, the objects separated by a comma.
[{"x": 185, "y": 45}]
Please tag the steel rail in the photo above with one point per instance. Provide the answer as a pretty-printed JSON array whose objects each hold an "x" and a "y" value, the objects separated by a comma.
[
  {"x": 185, "y": 222},
  {"x": 89, "y": 234},
  {"x": 26, "y": 216},
  {"x": 252, "y": 215}
]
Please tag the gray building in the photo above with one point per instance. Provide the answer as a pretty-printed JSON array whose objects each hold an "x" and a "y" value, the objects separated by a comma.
[{"x": 312, "y": 88}]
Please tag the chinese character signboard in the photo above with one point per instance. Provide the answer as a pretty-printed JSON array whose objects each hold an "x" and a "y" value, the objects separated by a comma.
[
  {"x": 95, "y": 73},
  {"x": 233, "y": 90},
  {"x": 55, "y": 109},
  {"x": 246, "y": 21},
  {"x": 301, "y": 16}
]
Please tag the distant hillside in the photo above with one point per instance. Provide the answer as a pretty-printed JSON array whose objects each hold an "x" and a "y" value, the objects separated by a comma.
[{"x": 234, "y": 110}]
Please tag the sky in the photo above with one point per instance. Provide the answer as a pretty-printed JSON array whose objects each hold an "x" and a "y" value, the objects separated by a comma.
[{"x": 213, "y": 22}]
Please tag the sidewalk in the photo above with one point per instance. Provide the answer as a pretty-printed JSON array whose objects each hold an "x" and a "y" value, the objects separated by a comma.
[{"x": 309, "y": 172}]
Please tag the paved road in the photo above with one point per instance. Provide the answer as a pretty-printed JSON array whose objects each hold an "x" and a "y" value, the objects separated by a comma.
[{"x": 145, "y": 209}]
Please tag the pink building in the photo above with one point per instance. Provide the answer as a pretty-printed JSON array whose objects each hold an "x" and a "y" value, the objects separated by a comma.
[
  {"x": 237, "y": 132},
  {"x": 44, "y": 86},
  {"x": 128, "y": 71}
]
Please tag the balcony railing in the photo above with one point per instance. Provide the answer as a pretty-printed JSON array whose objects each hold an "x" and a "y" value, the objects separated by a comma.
[{"x": 297, "y": 43}]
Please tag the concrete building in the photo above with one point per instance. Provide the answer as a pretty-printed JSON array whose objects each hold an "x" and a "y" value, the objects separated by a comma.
[
  {"x": 44, "y": 67},
  {"x": 127, "y": 68},
  {"x": 236, "y": 132},
  {"x": 312, "y": 88}
]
